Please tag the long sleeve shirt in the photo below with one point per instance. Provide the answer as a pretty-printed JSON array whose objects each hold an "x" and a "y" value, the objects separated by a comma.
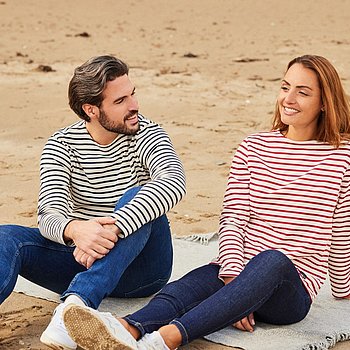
[
  {"x": 292, "y": 196},
  {"x": 81, "y": 179}
]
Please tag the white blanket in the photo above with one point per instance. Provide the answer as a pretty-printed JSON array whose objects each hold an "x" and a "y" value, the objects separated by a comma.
[{"x": 327, "y": 323}]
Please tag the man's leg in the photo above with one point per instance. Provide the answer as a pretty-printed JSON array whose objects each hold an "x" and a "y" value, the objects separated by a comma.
[
  {"x": 146, "y": 254},
  {"x": 151, "y": 269},
  {"x": 24, "y": 251},
  {"x": 92, "y": 285}
]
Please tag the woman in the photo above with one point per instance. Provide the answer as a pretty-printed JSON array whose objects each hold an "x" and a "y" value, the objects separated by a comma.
[{"x": 284, "y": 224}]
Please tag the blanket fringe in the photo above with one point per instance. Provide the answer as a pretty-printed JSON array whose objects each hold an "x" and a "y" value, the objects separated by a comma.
[
  {"x": 202, "y": 238},
  {"x": 329, "y": 342}
]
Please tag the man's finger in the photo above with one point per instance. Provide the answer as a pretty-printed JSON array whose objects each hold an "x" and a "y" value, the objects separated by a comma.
[{"x": 105, "y": 220}]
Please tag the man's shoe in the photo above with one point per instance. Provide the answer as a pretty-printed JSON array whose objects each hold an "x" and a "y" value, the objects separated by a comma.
[
  {"x": 94, "y": 330},
  {"x": 55, "y": 335}
]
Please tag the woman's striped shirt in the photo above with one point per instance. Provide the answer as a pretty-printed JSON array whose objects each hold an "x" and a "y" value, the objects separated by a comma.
[
  {"x": 81, "y": 179},
  {"x": 293, "y": 196}
]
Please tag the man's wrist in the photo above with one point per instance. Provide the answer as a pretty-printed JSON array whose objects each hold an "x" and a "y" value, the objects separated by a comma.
[{"x": 68, "y": 233}]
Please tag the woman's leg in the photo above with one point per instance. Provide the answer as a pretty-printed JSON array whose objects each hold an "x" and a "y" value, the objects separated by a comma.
[
  {"x": 176, "y": 299},
  {"x": 269, "y": 285},
  {"x": 24, "y": 251},
  {"x": 138, "y": 265}
]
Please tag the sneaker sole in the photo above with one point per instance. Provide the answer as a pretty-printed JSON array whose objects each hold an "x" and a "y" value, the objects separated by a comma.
[{"x": 89, "y": 331}]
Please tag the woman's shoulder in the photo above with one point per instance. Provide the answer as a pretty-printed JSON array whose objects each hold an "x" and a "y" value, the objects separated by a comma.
[{"x": 264, "y": 136}]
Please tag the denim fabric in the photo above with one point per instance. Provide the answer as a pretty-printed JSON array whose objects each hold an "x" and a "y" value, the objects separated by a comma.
[
  {"x": 138, "y": 266},
  {"x": 199, "y": 303}
]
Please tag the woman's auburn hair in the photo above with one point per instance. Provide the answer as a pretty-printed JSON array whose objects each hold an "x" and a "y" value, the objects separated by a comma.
[{"x": 334, "y": 121}]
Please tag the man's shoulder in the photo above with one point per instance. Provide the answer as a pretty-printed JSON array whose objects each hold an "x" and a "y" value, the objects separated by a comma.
[
  {"x": 69, "y": 133},
  {"x": 76, "y": 128},
  {"x": 146, "y": 123},
  {"x": 148, "y": 127}
]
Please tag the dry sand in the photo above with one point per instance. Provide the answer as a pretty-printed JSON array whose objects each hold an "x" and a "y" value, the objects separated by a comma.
[{"x": 207, "y": 70}]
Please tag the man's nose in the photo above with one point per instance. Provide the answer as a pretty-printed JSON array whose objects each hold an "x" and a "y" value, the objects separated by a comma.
[{"x": 133, "y": 103}]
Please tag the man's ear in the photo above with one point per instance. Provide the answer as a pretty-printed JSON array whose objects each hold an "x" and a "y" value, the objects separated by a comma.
[{"x": 90, "y": 110}]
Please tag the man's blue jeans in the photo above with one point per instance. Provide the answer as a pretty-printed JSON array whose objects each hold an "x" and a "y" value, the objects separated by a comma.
[
  {"x": 199, "y": 303},
  {"x": 138, "y": 266}
]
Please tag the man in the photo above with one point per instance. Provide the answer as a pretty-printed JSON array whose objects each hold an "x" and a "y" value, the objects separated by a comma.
[{"x": 105, "y": 184}]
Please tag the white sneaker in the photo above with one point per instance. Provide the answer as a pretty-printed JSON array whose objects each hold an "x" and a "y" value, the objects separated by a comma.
[
  {"x": 94, "y": 330},
  {"x": 55, "y": 335},
  {"x": 152, "y": 341}
]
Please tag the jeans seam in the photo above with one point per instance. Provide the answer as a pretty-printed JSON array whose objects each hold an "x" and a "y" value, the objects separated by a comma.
[
  {"x": 13, "y": 263},
  {"x": 162, "y": 280}
]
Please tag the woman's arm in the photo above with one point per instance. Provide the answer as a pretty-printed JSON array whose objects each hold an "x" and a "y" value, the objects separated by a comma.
[
  {"x": 339, "y": 257},
  {"x": 235, "y": 215}
]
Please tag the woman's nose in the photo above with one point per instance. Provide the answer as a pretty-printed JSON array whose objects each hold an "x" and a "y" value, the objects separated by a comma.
[{"x": 290, "y": 97}]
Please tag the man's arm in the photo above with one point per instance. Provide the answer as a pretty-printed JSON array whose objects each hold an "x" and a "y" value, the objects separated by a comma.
[
  {"x": 54, "y": 197},
  {"x": 166, "y": 187},
  {"x": 54, "y": 221}
]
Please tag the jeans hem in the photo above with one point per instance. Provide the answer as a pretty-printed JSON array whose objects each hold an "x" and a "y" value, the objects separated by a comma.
[{"x": 182, "y": 330}]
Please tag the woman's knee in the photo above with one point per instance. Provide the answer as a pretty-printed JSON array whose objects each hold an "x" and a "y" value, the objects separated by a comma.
[
  {"x": 202, "y": 280},
  {"x": 274, "y": 259}
]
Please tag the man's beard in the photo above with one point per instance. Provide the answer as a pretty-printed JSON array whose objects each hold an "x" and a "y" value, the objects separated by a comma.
[{"x": 121, "y": 128}]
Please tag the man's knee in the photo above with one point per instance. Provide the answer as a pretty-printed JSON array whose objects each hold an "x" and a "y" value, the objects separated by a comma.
[{"x": 127, "y": 196}]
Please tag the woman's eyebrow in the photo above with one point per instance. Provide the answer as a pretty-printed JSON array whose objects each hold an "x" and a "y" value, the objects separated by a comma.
[{"x": 298, "y": 86}]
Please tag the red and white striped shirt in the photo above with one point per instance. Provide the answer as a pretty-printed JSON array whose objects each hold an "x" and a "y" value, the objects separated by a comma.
[{"x": 292, "y": 196}]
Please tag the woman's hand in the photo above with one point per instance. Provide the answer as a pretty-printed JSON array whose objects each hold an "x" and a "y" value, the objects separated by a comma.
[{"x": 246, "y": 323}]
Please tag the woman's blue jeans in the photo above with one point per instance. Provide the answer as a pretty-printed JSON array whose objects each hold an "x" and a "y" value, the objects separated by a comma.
[
  {"x": 138, "y": 265},
  {"x": 199, "y": 303}
]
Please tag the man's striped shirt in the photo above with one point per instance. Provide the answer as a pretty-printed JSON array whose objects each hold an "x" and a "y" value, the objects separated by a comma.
[
  {"x": 293, "y": 196},
  {"x": 81, "y": 179}
]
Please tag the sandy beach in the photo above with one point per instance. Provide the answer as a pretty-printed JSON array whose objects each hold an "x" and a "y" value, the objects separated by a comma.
[{"x": 207, "y": 71}]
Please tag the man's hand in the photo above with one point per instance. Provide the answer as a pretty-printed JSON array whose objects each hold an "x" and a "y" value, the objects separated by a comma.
[
  {"x": 83, "y": 258},
  {"x": 93, "y": 238},
  {"x": 246, "y": 323}
]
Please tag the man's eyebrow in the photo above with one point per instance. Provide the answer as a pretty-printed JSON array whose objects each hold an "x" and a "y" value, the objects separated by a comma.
[
  {"x": 122, "y": 97},
  {"x": 298, "y": 86}
]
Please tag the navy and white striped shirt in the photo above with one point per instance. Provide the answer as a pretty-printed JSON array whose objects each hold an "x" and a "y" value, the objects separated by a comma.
[{"x": 81, "y": 179}]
